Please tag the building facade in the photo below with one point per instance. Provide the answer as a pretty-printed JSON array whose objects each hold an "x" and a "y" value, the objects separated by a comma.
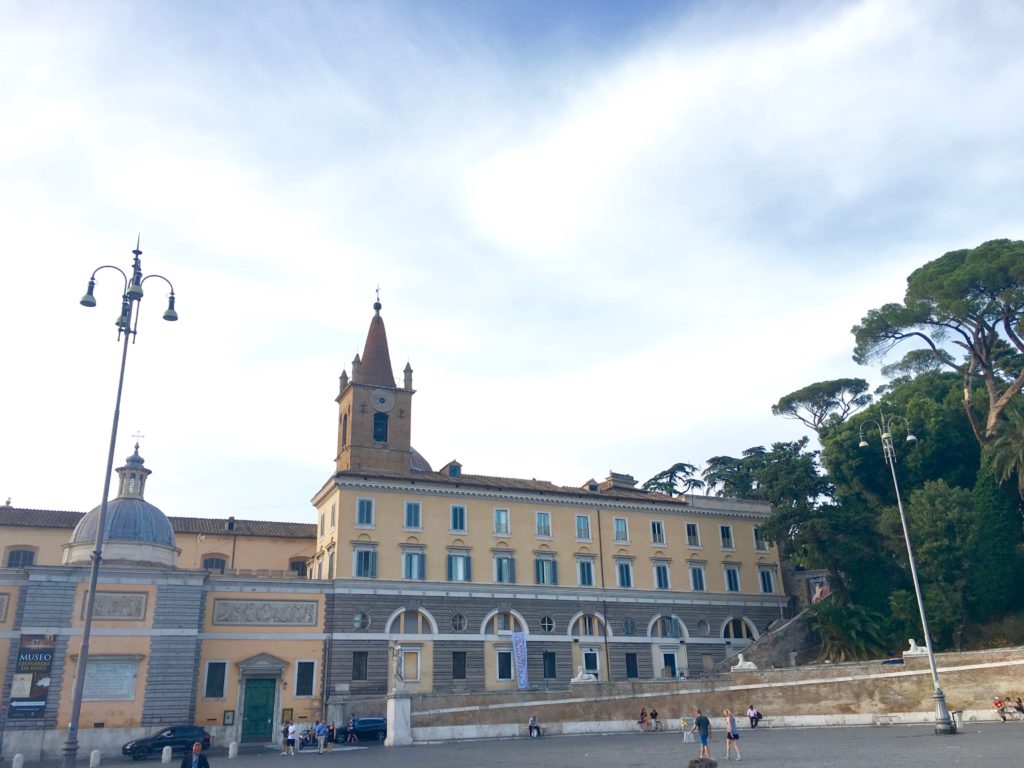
[{"x": 452, "y": 581}]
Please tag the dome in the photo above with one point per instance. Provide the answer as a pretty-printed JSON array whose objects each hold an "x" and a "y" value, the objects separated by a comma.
[
  {"x": 134, "y": 531},
  {"x": 417, "y": 463},
  {"x": 128, "y": 519}
]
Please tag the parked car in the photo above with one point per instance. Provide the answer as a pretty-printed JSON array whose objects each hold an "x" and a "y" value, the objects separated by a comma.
[
  {"x": 179, "y": 738},
  {"x": 366, "y": 729}
]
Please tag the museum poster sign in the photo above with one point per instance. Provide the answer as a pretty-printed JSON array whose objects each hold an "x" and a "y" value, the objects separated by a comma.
[{"x": 31, "y": 682}]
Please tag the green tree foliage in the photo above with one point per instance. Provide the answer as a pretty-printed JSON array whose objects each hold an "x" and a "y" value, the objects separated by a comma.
[
  {"x": 824, "y": 403},
  {"x": 678, "y": 479},
  {"x": 996, "y": 578},
  {"x": 732, "y": 477},
  {"x": 1006, "y": 453},
  {"x": 967, "y": 310},
  {"x": 848, "y": 632}
]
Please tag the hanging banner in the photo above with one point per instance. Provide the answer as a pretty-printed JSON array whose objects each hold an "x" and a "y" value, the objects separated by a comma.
[
  {"x": 519, "y": 658},
  {"x": 31, "y": 681}
]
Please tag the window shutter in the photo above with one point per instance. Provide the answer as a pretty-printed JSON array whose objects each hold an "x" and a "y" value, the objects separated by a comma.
[
  {"x": 554, "y": 571},
  {"x": 373, "y": 565},
  {"x": 538, "y": 571},
  {"x": 469, "y": 569},
  {"x": 512, "y": 570},
  {"x": 421, "y": 567}
]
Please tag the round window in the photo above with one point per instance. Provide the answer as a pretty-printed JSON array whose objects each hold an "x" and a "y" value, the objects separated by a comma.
[
  {"x": 703, "y": 628},
  {"x": 360, "y": 620},
  {"x": 628, "y": 626},
  {"x": 547, "y": 624},
  {"x": 459, "y": 622}
]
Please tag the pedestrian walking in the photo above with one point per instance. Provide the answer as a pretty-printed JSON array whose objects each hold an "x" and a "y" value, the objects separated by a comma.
[
  {"x": 195, "y": 758},
  {"x": 732, "y": 736},
  {"x": 702, "y": 726},
  {"x": 321, "y": 736}
]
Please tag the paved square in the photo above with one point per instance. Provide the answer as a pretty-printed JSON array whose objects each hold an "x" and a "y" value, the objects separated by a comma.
[{"x": 985, "y": 744}]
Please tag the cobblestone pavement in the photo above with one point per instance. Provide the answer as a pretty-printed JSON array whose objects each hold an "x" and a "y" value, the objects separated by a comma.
[{"x": 984, "y": 744}]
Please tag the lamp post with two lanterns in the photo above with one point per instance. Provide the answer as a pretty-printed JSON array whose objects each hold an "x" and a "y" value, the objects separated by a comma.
[
  {"x": 943, "y": 723},
  {"x": 127, "y": 327}
]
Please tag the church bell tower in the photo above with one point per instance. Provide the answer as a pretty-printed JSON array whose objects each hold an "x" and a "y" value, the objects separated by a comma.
[{"x": 374, "y": 415}]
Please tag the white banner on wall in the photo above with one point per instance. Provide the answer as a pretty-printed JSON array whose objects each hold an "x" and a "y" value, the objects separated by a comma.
[{"x": 519, "y": 658}]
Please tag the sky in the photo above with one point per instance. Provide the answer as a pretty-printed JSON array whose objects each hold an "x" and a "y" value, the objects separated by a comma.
[{"x": 607, "y": 235}]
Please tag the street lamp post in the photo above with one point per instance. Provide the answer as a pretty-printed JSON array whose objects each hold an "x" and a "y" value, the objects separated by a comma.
[
  {"x": 127, "y": 327},
  {"x": 943, "y": 723}
]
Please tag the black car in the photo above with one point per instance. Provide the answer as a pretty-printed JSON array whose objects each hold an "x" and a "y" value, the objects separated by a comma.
[
  {"x": 366, "y": 729},
  {"x": 179, "y": 738}
]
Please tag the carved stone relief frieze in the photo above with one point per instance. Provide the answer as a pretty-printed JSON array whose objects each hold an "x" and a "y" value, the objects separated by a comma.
[
  {"x": 118, "y": 606},
  {"x": 295, "y": 613}
]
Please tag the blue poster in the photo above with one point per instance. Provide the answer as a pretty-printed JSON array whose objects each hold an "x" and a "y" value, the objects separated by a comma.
[{"x": 519, "y": 658}]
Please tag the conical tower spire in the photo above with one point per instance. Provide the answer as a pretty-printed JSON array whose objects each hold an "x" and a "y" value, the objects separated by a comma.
[{"x": 376, "y": 361}]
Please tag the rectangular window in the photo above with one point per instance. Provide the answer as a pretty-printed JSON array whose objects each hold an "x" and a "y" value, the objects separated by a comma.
[
  {"x": 767, "y": 581},
  {"x": 413, "y": 514},
  {"x": 215, "y": 677},
  {"x": 330, "y": 566},
  {"x": 410, "y": 665},
  {"x": 624, "y": 569},
  {"x": 304, "y": 676},
  {"x": 458, "y": 665},
  {"x": 501, "y": 522},
  {"x": 760, "y": 543},
  {"x": 323, "y": 526},
  {"x": 319, "y": 568},
  {"x": 546, "y": 570},
  {"x": 458, "y": 519},
  {"x": 459, "y": 567},
  {"x": 543, "y": 525},
  {"x": 414, "y": 564},
  {"x": 632, "y": 669},
  {"x": 365, "y": 564},
  {"x": 364, "y": 512},
  {"x": 661, "y": 576},
  {"x": 697, "y": 578},
  {"x": 692, "y": 535},
  {"x": 621, "y": 530},
  {"x": 359, "y": 665},
  {"x": 727, "y": 542},
  {"x": 504, "y": 664},
  {"x": 586, "y": 569},
  {"x": 334, "y": 509},
  {"x": 549, "y": 665},
  {"x": 583, "y": 527},
  {"x": 504, "y": 569},
  {"x": 657, "y": 532},
  {"x": 732, "y": 578}
]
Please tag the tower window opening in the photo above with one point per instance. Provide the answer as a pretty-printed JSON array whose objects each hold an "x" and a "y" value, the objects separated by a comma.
[{"x": 380, "y": 427}]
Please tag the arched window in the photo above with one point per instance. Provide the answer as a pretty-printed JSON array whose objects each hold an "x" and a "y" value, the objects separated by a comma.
[
  {"x": 587, "y": 625},
  {"x": 739, "y": 629},
  {"x": 503, "y": 623},
  {"x": 215, "y": 563},
  {"x": 668, "y": 626},
  {"x": 344, "y": 430},
  {"x": 411, "y": 623},
  {"x": 21, "y": 558},
  {"x": 380, "y": 427}
]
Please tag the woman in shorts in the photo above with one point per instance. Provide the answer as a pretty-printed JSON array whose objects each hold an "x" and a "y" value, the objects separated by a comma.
[{"x": 732, "y": 736}]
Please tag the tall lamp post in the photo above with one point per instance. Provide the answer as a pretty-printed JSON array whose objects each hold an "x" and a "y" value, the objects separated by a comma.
[
  {"x": 127, "y": 327},
  {"x": 943, "y": 723}
]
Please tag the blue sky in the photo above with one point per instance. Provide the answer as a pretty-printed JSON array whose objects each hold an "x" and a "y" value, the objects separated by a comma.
[{"x": 608, "y": 235}]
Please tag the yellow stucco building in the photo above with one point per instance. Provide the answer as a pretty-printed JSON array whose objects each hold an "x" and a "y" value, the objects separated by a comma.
[{"x": 439, "y": 581}]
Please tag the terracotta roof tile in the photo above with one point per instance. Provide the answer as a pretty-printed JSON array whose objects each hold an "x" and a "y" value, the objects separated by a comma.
[{"x": 48, "y": 518}]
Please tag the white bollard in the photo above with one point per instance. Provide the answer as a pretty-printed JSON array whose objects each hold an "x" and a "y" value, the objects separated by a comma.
[
  {"x": 18, "y": 761},
  {"x": 165, "y": 755},
  {"x": 232, "y": 750},
  {"x": 94, "y": 758}
]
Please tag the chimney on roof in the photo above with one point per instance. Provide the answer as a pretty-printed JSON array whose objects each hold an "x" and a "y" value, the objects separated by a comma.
[{"x": 229, "y": 524}]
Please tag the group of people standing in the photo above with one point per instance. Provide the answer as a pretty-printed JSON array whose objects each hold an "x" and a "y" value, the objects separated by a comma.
[
  {"x": 649, "y": 721},
  {"x": 322, "y": 734}
]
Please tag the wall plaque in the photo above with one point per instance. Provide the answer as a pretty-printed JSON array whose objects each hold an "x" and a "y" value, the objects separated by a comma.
[
  {"x": 110, "y": 679},
  {"x": 294, "y": 613},
  {"x": 118, "y": 606}
]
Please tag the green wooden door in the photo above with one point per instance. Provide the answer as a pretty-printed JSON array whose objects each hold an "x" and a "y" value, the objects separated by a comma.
[{"x": 258, "y": 717}]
